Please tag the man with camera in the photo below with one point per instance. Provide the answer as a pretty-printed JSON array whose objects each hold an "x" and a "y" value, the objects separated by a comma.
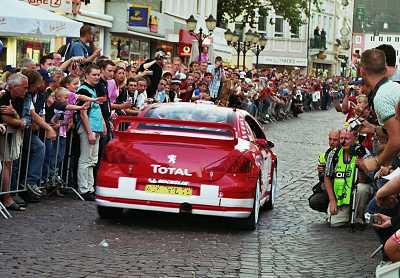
[
  {"x": 154, "y": 70},
  {"x": 341, "y": 179},
  {"x": 319, "y": 199}
]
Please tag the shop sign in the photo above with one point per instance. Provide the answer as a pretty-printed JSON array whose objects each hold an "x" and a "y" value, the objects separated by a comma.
[
  {"x": 185, "y": 50},
  {"x": 283, "y": 61},
  {"x": 153, "y": 26},
  {"x": 139, "y": 15},
  {"x": 64, "y": 6}
]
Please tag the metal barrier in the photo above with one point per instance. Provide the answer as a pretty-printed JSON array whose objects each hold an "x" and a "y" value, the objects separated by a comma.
[
  {"x": 57, "y": 176},
  {"x": 16, "y": 155},
  {"x": 10, "y": 150}
]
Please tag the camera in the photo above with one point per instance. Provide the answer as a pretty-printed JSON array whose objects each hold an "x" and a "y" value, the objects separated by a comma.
[
  {"x": 357, "y": 150},
  {"x": 355, "y": 123},
  {"x": 371, "y": 219}
]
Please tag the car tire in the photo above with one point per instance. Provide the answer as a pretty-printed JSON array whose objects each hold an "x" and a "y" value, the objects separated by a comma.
[
  {"x": 271, "y": 202},
  {"x": 109, "y": 212},
  {"x": 251, "y": 222}
]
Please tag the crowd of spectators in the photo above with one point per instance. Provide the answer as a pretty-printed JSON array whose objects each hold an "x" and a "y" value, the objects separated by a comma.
[{"x": 56, "y": 117}]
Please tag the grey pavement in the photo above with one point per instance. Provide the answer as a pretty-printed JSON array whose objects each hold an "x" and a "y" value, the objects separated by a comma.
[{"x": 60, "y": 237}]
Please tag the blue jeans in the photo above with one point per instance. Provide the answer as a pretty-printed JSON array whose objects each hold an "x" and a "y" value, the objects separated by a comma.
[
  {"x": 51, "y": 162},
  {"x": 57, "y": 155},
  {"x": 35, "y": 160},
  {"x": 31, "y": 168}
]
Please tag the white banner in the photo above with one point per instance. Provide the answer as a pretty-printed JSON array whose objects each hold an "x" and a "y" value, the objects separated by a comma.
[
  {"x": 282, "y": 61},
  {"x": 64, "y": 6}
]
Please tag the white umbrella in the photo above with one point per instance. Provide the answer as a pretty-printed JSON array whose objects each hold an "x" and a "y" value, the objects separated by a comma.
[{"x": 20, "y": 18}]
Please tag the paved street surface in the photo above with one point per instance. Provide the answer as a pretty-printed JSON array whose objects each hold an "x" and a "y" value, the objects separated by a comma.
[{"x": 61, "y": 237}]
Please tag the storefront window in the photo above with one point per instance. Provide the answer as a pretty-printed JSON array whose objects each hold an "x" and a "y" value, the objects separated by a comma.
[
  {"x": 31, "y": 48},
  {"x": 128, "y": 49}
]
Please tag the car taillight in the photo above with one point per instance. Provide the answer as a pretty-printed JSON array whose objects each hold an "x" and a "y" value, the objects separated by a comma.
[{"x": 241, "y": 165}]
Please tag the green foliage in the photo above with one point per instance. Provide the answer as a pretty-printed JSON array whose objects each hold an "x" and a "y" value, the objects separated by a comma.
[{"x": 291, "y": 10}]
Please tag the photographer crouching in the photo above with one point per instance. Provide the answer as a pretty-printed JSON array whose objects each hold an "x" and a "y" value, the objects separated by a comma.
[
  {"x": 319, "y": 200},
  {"x": 342, "y": 177}
]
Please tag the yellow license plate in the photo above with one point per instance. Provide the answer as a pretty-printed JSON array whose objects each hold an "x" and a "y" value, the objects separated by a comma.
[{"x": 169, "y": 190}]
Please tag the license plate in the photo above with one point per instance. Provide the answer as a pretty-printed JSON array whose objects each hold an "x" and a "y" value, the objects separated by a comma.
[{"x": 169, "y": 190}]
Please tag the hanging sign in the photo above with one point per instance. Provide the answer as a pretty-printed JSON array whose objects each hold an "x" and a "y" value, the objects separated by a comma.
[
  {"x": 139, "y": 15},
  {"x": 63, "y": 6}
]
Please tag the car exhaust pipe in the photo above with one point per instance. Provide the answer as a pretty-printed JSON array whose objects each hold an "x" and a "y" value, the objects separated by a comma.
[{"x": 185, "y": 208}]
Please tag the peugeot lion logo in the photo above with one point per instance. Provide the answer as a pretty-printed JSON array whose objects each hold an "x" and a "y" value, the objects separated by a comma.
[{"x": 171, "y": 159}]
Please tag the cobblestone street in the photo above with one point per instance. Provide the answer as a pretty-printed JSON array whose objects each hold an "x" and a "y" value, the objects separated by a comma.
[{"x": 61, "y": 237}]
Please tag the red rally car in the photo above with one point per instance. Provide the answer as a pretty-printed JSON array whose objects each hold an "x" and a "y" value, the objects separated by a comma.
[{"x": 188, "y": 158}]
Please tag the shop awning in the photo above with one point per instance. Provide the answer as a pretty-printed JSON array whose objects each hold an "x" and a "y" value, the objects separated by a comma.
[
  {"x": 20, "y": 18},
  {"x": 321, "y": 61},
  {"x": 149, "y": 35}
]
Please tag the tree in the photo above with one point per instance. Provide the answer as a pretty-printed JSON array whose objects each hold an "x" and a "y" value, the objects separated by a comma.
[{"x": 291, "y": 10}]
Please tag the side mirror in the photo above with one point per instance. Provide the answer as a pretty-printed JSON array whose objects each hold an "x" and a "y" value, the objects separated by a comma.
[{"x": 265, "y": 143}]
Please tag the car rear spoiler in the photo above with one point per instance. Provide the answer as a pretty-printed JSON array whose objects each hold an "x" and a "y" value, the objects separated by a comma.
[{"x": 131, "y": 131}]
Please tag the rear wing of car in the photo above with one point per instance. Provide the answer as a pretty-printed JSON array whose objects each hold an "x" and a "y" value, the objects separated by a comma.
[{"x": 131, "y": 128}]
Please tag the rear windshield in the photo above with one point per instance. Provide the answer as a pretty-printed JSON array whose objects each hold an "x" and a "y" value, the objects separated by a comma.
[{"x": 202, "y": 113}]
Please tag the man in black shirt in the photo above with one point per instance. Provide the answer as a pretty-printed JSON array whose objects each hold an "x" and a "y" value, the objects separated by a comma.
[
  {"x": 155, "y": 69},
  {"x": 107, "y": 68}
]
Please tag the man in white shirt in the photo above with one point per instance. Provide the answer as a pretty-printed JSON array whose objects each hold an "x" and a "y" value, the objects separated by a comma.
[{"x": 141, "y": 98}]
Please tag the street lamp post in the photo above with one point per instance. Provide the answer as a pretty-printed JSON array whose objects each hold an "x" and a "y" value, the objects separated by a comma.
[
  {"x": 259, "y": 48},
  {"x": 245, "y": 43},
  {"x": 191, "y": 24}
]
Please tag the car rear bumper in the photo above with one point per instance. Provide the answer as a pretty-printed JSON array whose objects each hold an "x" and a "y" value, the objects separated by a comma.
[{"x": 207, "y": 203}]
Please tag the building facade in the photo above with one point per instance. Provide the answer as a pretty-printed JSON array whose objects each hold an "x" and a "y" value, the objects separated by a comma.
[
  {"x": 94, "y": 13},
  {"x": 331, "y": 55},
  {"x": 375, "y": 25},
  {"x": 142, "y": 27},
  {"x": 284, "y": 49},
  {"x": 288, "y": 50}
]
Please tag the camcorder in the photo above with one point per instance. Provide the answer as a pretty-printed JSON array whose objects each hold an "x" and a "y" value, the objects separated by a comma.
[{"x": 357, "y": 150}]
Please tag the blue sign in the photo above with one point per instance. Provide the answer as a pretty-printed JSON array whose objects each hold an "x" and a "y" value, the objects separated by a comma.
[
  {"x": 1, "y": 47},
  {"x": 139, "y": 15}
]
